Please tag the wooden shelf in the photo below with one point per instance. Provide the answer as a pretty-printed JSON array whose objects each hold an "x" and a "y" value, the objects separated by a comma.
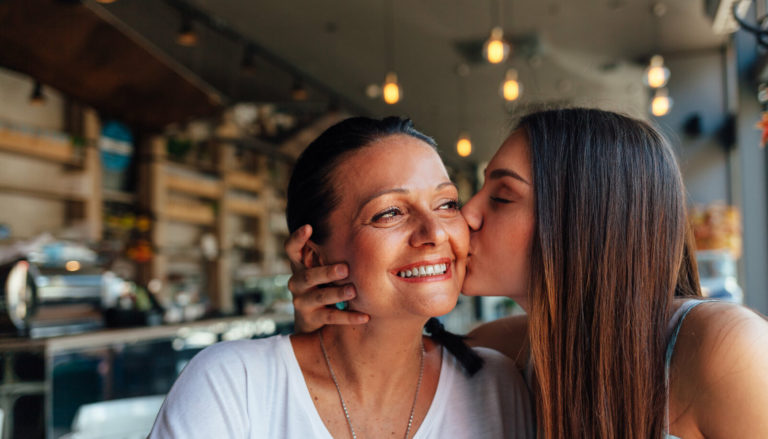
[
  {"x": 52, "y": 192},
  {"x": 42, "y": 147},
  {"x": 198, "y": 186},
  {"x": 245, "y": 206},
  {"x": 192, "y": 213},
  {"x": 243, "y": 181}
]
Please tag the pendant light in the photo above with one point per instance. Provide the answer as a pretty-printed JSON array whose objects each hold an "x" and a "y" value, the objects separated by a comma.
[
  {"x": 496, "y": 49},
  {"x": 661, "y": 102},
  {"x": 299, "y": 91},
  {"x": 656, "y": 74},
  {"x": 37, "y": 97},
  {"x": 511, "y": 87},
  {"x": 391, "y": 91},
  {"x": 463, "y": 143},
  {"x": 187, "y": 36}
]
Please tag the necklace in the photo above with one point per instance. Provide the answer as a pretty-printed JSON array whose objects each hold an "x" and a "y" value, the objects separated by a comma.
[{"x": 344, "y": 405}]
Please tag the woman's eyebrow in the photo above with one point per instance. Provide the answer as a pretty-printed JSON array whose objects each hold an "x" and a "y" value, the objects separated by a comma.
[
  {"x": 375, "y": 195},
  {"x": 503, "y": 172}
]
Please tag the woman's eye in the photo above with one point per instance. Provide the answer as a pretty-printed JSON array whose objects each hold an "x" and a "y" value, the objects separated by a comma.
[
  {"x": 386, "y": 215},
  {"x": 450, "y": 205},
  {"x": 500, "y": 200}
]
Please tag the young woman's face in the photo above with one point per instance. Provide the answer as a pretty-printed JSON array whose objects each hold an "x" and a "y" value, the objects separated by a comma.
[
  {"x": 501, "y": 221},
  {"x": 398, "y": 226}
]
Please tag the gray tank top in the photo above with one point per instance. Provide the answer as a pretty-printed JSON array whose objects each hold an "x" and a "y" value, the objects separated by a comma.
[{"x": 675, "y": 323}]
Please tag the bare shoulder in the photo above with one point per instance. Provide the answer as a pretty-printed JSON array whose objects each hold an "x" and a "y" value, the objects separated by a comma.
[
  {"x": 722, "y": 370},
  {"x": 508, "y": 335}
]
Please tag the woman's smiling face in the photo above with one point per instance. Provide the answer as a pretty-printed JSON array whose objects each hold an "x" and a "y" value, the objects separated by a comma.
[
  {"x": 502, "y": 221},
  {"x": 398, "y": 226}
]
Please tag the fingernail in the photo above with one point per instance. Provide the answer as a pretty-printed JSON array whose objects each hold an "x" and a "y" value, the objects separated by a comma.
[
  {"x": 349, "y": 292},
  {"x": 360, "y": 319},
  {"x": 341, "y": 270}
]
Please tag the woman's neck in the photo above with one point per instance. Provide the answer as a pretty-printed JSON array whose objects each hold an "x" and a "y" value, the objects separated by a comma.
[{"x": 374, "y": 356}]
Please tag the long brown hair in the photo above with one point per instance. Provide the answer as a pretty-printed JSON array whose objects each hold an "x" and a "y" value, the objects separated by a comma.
[{"x": 610, "y": 251}]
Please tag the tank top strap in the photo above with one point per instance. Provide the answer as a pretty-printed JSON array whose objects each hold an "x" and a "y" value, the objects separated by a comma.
[{"x": 675, "y": 323}]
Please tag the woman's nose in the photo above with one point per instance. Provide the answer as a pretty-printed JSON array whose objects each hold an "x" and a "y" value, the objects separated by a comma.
[
  {"x": 472, "y": 214},
  {"x": 429, "y": 231}
]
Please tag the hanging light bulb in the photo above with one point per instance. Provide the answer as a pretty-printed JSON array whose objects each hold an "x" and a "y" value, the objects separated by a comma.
[
  {"x": 37, "y": 97},
  {"x": 661, "y": 103},
  {"x": 187, "y": 36},
  {"x": 391, "y": 89},
  {"x": 495, "y": 49},
  {"x": 656, "y": 75},
  {"x": 299, "y": 91},
  {"x": 511, "y": 88},
  {"x": 464, "y": 145}
]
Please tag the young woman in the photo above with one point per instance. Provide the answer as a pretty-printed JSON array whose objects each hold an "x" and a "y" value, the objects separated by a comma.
[
  {"x": 582, "y": 220},
  {"x": 397, "y": 224}
]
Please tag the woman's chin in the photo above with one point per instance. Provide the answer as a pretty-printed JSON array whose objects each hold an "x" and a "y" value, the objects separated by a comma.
[{"x": 442, "y": 307}]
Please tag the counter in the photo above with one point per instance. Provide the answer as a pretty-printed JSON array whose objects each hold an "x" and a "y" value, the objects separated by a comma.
[{"x": 43, "y": 382}]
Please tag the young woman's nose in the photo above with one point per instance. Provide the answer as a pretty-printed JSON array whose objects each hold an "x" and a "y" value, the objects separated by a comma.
[
  {"x": 472, "y": 213},
  {"x": 429, "y": 230}
]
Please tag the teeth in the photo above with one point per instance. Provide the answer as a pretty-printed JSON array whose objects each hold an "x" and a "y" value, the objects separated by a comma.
[{"x": 424, "y": 270}]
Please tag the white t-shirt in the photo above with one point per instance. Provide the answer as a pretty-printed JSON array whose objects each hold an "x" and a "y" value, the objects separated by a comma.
[{"x": 255, "y": 389}]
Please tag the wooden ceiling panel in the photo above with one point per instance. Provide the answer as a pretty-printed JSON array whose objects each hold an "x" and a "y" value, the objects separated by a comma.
[{"x": 69, "y": 47}]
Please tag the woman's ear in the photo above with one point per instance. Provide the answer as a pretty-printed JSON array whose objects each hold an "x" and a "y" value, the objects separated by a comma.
[{"x": 311, "y": 255}]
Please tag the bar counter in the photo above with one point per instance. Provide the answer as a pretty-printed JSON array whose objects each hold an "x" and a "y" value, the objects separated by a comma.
[{"x": 43, "y": 382}]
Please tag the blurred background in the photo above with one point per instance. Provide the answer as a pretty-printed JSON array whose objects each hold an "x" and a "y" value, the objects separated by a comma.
[{"x": 145, "y": 148}]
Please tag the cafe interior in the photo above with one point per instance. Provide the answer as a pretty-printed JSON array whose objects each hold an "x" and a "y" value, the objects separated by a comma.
[{"x": 146, "y": 146}]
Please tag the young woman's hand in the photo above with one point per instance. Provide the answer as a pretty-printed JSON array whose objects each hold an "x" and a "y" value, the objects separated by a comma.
[{"x": 313, "y": 298}]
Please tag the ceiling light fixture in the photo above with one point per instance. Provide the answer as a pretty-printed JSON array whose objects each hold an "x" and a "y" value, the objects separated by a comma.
[
  {"x": 299, "y": 91},
  {"x": 37, "y": 97},
  {"x": 187, "y": 36},
  {"x": 656, "y": 74},
  {"x": 496, "y": 49},
  {"x": 391, "y": 90},
  {"x": 464, "y": 145},
  {"x": 511, "y": 87},
  {"x": 661, "y": 103}
]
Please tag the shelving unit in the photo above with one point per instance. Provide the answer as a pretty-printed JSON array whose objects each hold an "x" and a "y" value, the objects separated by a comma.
[
  {"x": 213, "y": 199},
  {"x": 77, "y": 179}
]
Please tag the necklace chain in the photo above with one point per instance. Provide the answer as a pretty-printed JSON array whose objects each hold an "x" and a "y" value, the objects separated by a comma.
[{"x": 344, "y": 405}]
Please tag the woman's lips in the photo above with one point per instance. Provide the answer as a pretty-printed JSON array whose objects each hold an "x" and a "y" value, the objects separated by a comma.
[{"x": 425, "y": 271}]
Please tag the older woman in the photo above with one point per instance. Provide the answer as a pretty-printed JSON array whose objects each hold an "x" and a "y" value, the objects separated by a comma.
[
  {"x": 582, "y": 221},
  {"x": 377, "y": 196}
]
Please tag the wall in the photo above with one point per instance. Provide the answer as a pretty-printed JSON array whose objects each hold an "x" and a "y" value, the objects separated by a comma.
[
  {"x": 696, "y": 86},
  {"x": 703, "y": 84}
]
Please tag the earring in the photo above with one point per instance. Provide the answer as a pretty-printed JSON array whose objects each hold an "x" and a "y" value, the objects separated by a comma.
[{"x": 342, "y": 306}]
